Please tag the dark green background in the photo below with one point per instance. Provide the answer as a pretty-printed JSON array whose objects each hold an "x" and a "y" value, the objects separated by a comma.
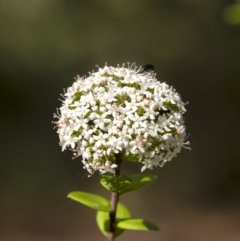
[{"x": 45, "y": 43}]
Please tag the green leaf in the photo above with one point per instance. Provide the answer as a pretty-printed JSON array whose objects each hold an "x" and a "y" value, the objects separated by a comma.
[
  {"x": 170, "y": 106},
  {"x": 130, "y": 157},
  {"x": 137, "y": 224},
  {"x": 123, "y": 184},
  {"x": 232, "y": 14},
  {"x": 103, "y": 219},
  {"x": 90, "y": 200}
]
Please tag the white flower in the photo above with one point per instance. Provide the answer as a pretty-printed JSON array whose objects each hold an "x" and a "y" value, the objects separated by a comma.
[{"x": 117, "y": 111}]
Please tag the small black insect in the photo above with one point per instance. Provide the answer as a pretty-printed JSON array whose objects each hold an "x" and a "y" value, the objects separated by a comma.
[{"x": 145, "y": 68}]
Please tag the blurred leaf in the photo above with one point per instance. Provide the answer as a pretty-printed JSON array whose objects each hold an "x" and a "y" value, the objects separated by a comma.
[
  {"x": 232, "y": 14},
  {"x": 123, "y": 184},
  {"x": 103, "y": 219},
  {"x": 90, "y": 200},
  {"x": 130, "y": 157},
  {"x": 137, "y": 224}
]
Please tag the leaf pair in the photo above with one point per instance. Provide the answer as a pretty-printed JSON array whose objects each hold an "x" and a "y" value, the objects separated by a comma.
[
  {"x": 119, "y": 185},
  {"x": 123, "y": 216}
]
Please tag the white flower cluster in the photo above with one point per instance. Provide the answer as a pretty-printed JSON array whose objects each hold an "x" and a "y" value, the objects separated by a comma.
[{"x": 118, "y": 111}]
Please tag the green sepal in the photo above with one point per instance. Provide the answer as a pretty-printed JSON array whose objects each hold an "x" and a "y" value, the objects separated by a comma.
[
  {"x": 123, "y": 184},
  {"x": 90, "y": 200},
  {"x": 102, "y": 219},
  {"x": 137, "y": 224}
]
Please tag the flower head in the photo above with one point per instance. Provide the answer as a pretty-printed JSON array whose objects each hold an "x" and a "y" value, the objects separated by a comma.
[{"x": 121, "y": 111}]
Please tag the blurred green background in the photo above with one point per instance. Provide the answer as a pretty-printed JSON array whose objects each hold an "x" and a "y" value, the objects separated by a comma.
[{"x": 45, "y": 43}]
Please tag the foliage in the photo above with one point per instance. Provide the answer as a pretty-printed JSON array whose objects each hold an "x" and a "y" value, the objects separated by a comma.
[
  {"x": 120, "y": 185},
  {"x": 232, "y": 14}
]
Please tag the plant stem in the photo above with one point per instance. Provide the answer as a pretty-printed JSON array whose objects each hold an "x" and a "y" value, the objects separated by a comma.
[{"x": 114, "y": 203}]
